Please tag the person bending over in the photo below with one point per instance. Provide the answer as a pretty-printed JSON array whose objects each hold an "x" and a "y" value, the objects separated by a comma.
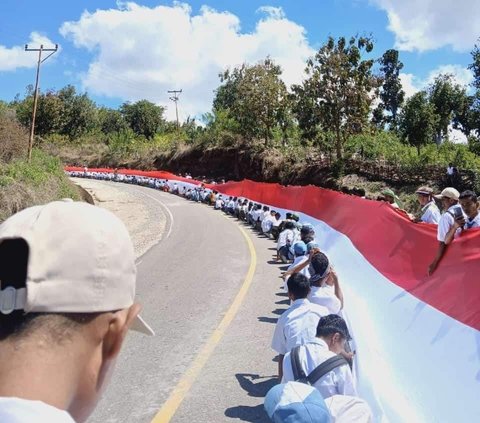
[
  {"x": 331, "y": 337},
  {"x": 297, "y": 325}
]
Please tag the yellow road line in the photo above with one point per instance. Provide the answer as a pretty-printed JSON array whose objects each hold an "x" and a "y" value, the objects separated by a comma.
[{"x": 177, "y": 396}]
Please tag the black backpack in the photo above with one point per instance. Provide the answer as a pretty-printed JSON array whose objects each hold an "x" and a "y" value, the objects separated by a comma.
[{"x": 319, "y": 371}]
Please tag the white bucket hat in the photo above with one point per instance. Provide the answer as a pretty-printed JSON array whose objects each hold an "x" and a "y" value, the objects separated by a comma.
[{"x": 80, "y": 260}]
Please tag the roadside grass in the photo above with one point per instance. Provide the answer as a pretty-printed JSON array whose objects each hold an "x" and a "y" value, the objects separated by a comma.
[{"x": 24, "y": 184}]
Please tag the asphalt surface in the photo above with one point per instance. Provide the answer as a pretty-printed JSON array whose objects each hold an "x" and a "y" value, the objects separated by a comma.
[{"x": 186, "y": 283}]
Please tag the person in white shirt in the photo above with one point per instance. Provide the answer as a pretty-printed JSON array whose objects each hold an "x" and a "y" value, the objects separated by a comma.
[
  {"x": 430, "y": 212},
  {"x": 64, "y": 313},
  {"x": 297, "y": 325},
  {"x": 219, "y": 202},
  {"x": 325, "y": 286},
  {"x": 469, "y": 203},
  {"x": 449, "y": 197},
  {"x": 267, "y": 223},
  {"x": 331, "y": 337},
  {"x": 300, "y": 257},
  {"x": 285, "y": 241}
]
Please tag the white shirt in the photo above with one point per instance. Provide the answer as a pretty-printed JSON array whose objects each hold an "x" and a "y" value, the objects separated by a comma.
[
  {"x": 297, "y": 325},
  {"x": 431, "y": 213},
  {"x": 16, "y": 410},
  {"x": 473, "y": 223},
  {"x": 325, "y": 296},
  {"x": 337, "y": 382},
  {"x": 267, "y": 223},
  {"x": 297, "y": 261},
  {"x": 285, "y": 237},
  {"x": 347, "y": 409},
  {"x": 449, "y": 170},
  {"x": 446, "y": 222}
]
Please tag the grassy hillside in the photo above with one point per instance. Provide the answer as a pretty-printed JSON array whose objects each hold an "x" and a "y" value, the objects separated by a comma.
[{"x": 24, "y": 184}]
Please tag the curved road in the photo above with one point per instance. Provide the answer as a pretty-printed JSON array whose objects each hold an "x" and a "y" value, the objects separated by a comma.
[{"x": 186, "y": 284}]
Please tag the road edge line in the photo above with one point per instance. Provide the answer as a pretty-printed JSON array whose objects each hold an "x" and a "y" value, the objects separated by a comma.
[{"x": 170, "y": 407}]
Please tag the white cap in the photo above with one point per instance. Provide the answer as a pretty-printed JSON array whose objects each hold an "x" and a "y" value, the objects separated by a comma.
[
  {"x": 451, "y": 193},
  {"x": 80, "y": 260}
]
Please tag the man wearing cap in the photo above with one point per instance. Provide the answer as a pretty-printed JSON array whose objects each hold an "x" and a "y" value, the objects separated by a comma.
[
  {"x": 430, "y": 211},
  {"x": 331, "y": 337},
  {"x": 297, "y": 324},
  {"x": 449, "y": 197},
  {"x": 67, "y": 275},
  {"x": 469, "y": 203},
  {"x": 391, "y": 198}
]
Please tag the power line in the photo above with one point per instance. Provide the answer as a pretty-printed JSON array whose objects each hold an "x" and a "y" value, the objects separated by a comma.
[
  {"x": 174, "y": 98},
  {"x": 35, "y": 96}
]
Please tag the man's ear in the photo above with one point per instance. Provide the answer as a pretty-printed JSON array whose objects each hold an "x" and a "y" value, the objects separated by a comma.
[{"x": 118, "y": 327}]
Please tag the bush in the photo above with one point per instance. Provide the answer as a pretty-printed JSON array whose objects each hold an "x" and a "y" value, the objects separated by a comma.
[
  {"x": 13, "y": 139},
  {"x": 24, "y": 184}
]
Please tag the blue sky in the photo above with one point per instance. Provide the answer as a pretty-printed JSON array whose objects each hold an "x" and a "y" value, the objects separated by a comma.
[{"x": 126, "y": 51}]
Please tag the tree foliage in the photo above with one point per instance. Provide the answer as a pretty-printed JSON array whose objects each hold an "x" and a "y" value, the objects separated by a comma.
[
  {"x": 392, "y": 95},
  {"x": 144, "y": 117},
  {"x": 340, "y": 86},
  {"x": 418, "y": 120},
  {"x": 446, "y": 97}
]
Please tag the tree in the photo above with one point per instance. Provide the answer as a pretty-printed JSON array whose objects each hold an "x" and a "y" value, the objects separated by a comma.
[
  {"x": 261, "y": 100},
  {"x": 339, "y": 86},
  {"x": 392, "y": 95},
  {"x": 49, "y": 112},
  {"x": 305, "y": 110},
  {"x": 446, "y": 97},
  {"x": 79, "y": 115},
  {"x": 475, "y": 100},
  {"x": 418, "y": 120},
  {"x": 111, "y": 121},
  {"x": 143, "y": 117},
  {"x": 226, "y": 94}
]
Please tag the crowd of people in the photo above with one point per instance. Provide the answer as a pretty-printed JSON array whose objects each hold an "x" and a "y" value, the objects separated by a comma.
[
  {"x": 312, "y": 332},
  {"x": 64, "y": 314}
]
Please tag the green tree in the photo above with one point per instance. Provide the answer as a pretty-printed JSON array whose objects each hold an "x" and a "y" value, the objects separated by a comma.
[
  {"x": 392, "y": 94},
  {"x": 261, "y": 100},
  {"x": 79, "y": 114},
  {"x": 227, "y": 93},
  {"x": 305, "y": 110},
  {"x": 111, "y": 121},
  {"x": 49, "y": 114},
  {"x": 340, "y": 85},
  {"x": 418, "y": 121},
  {"x": 474, "y": 114},
  {"x": 446, "y": 97},
  {"x": 144, "y": 117}
]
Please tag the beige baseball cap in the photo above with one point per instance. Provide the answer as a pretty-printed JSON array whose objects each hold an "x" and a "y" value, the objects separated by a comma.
[
  {"x": 80, "y": 260},
  {"x": 449, "y": 192}
]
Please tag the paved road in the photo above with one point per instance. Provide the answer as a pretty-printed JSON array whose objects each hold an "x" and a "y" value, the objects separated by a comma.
[{"x": 186, "y": 284}]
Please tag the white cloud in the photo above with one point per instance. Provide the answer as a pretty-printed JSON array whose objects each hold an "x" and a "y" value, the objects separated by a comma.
[
  {"x": 412, "y": 84},
  {"x": 141, "y": 52},
  {"x": 430, "y": 24},
  {"x": 16, "y": 57}
]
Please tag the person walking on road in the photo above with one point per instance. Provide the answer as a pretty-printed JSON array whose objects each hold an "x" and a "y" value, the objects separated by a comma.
[{"x": 67, "y": 275}]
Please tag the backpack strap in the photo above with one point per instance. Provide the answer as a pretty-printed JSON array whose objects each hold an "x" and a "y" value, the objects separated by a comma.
[
  {"x": 325, "y": 367},
  {"x": 298, "y": 373}
]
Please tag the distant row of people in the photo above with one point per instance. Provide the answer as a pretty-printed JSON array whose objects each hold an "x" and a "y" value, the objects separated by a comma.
[{"x": 311, "y": 337}]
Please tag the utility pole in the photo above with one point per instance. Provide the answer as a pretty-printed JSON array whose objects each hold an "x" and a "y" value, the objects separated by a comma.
[
  {"x": 35, "y": 94},
  {"x": 174, "y": 98}
]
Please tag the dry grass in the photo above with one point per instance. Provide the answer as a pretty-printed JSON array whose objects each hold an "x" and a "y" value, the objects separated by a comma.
[
  {"x": 13, "y": 139},
  {"x": 25, "y": 184}
]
